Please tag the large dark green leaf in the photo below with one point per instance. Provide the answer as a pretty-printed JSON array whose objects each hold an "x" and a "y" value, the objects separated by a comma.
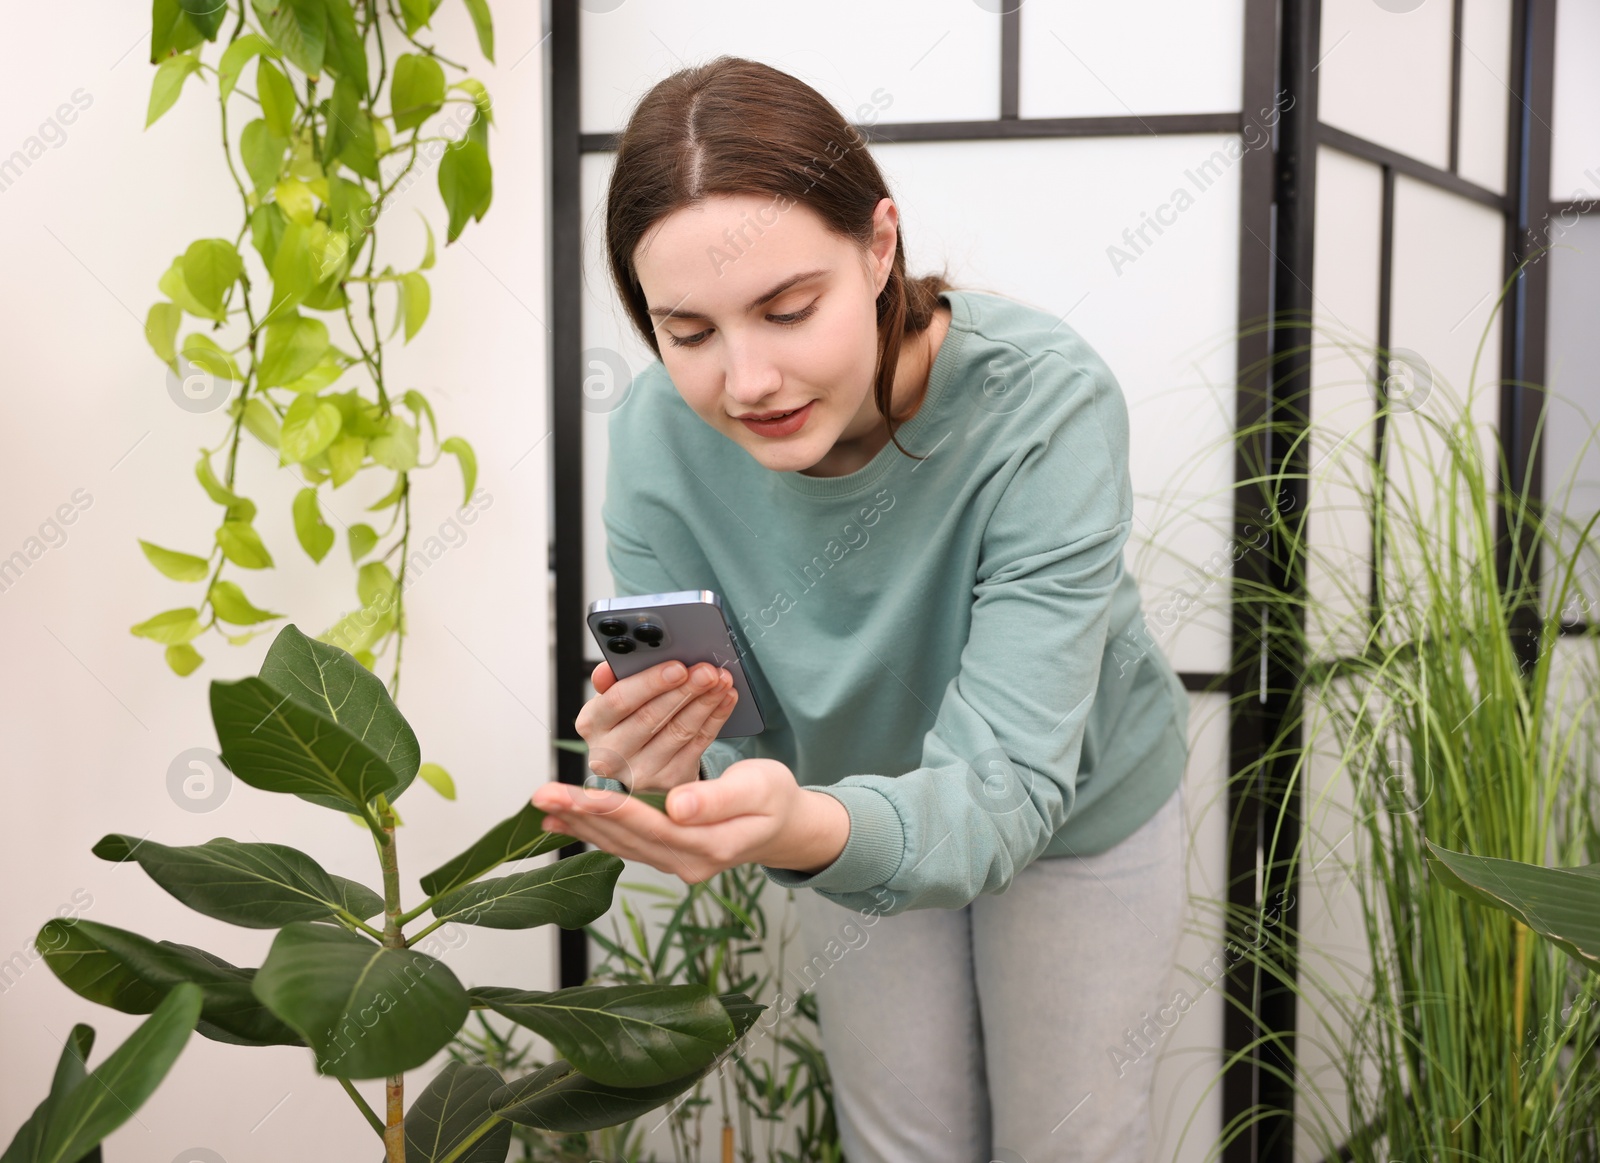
[
  {"x": 450, "y": 1111},
  {"x": 332, "y": 683},
  {"x": 70, "y": 1070},
  {"x": 276, "y": 744},
  {"x": 259, "y": 886},
  {"x": 346, "y": 54},
  {"x": 368, "y": 1011},
  {"x": 516, "y": 838},
  {"x": 570, "y": 893},
  {"x": 206, "y": 15},
  {"x": 1562, "y": 905},
  {"x": 133, "y": 974},
  {"x": 559, "y": 1098},
  {"x": 108, "y": 1096},
  {"x": 622, "y": 1035},
  {"x": 171, "y": 30}
]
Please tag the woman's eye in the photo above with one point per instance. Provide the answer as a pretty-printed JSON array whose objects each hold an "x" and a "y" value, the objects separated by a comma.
[{"x": 788, "y": 320}]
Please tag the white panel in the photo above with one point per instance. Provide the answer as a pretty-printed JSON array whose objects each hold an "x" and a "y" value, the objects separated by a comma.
[
  {"x": 1575, "y": 130},
  {"x": 1163, "y": 319},
  {"x": 1057, "y": 246},
  {"x": 873, "y": 61},
  {"x": 1447, "y": 260},
  {"x": 1349, "y": 222},
  {"x": 1385, "y": 74},
  {"x": 1485, "y": 91},
  {"x": 1086, "y": 59},
  {"x": 1572, "y": 375}
]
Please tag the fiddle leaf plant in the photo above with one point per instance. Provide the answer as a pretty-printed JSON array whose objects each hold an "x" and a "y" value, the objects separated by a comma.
[
  {"x": 351, "y": 973},
  {"x": 344, "y": 109}
]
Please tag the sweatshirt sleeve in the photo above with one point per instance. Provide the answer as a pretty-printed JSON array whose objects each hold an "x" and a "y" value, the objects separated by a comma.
[
  {"x": 999, "y": 765},
  {"x": 635, "y": 569}
]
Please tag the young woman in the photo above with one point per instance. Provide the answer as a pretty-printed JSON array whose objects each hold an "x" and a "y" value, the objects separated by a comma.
[{"x": 914, "y": 499}]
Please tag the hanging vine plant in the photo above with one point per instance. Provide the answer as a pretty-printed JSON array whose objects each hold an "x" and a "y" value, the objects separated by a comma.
[{"x": 348, "y": 109}]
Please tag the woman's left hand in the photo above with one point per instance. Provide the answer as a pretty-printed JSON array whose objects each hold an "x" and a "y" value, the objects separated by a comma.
[{"x": 755, "y": 812}]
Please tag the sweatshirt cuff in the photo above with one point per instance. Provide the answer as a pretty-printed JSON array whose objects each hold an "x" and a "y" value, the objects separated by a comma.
[{"x": 872, "y": 853}]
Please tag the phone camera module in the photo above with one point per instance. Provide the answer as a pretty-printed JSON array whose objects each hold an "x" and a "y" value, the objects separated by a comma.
[
  {"x": 621, "y": 645},
  {"x": 611, "y": 627},
  {"x": 649, "y": 633}
]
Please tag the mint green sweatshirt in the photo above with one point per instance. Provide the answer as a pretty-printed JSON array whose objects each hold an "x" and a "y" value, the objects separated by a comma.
[{"x": 950, "y": 647}]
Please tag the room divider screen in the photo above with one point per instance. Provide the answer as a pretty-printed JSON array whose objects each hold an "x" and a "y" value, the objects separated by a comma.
[{"x": 1207, "y": 191}]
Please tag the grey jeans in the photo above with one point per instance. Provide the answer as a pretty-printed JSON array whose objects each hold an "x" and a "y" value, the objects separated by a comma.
[{"x": 1001, "y": 1030}]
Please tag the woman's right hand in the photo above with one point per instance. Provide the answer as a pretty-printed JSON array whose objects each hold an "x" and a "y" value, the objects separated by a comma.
[{"x": 649, "y": 730}]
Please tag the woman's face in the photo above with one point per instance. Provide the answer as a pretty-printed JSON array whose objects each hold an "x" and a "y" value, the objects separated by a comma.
[{"x": 760, "y": 310}]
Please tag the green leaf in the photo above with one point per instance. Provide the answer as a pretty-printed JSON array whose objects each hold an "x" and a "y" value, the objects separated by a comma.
[
  {"x": 206, "y": 15},
  {"x": 168, "y": 83},
  {"x": 299, "y": 28},
  {"x": 483, "y": 23},
  {"x": 558, "y": 1098},
  {"x": 236, "y": 56},
  {"x": 344, "y": 458},
  {"x": 417, "y": 13},
  {"x": 70, "y": 1070},
  {"x": 185, "y": 567},
  {"x": 315, "y": 534},
  {"x": 294, "y": 272},
  {"x": 183, "y": 658},
  {"x": 350, "y": 136},
  {"x": 622, "y": 1035},
  {"x": 1562, "y": 905},
  {"x": 350, "y": 210},
  {"x": 438, "y": 779},
  {"x": 202, "y": 351},
  {"x": 208, "y": 481},
  {"x": 171, "y": 627},
  {"x": 418, "y": 403},
  {"x": 346, "y": 53},
  {"x": 327, "y": 370},
  {"x": 473, "y": 88},
  {"x": 278, "y": 105},
  {"x": 114, "y": 1090},
  {"x": 375, "y": 585},
  {"x": 161, "y": 329},
  {"x": 242, "y": 545},
  {"x": 417, "y": 91},
  {"x": 519, "y": 837},
  {"x": 228, "y": 600},
  {"x": 367, "y": 1011},
  {"x": 415, "y": 289},
  {"x": 450, "y": 1110},
  {"x": 258, "y": 886},
  {"x": 466, "y": 182},
  {"x": 309, "y": 426},
  {"x": 274, "y": 743},
  {"x": 132, "y": 974},
  {"x": 397, "y": 447},
  {"x": 170, "y": 31},
  {"x": 294, "y": 346},
  {"x": 331, "y": 683},
  {"x": 174, "y": 288},
  {"x": 392, "y": 497},
  {"x": 362, "y": 539},
  {"x": 427, "y": 254},
  {"x": 570, "y": 893},
  {"x": 262, "y": 152},
  {"x": 458, "y": 447},
  {"x": 262, "y": 421},
  {"x": 210, "y": 266}
]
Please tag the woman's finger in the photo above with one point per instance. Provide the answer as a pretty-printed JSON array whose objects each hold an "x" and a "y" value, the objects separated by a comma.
[
  {"x": 623, "y": 699},
  {"x": 673, "y": 752},
  {"x": 631, "y": 745}
]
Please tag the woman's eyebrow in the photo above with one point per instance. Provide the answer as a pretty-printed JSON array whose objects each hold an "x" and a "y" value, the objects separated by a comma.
[{"x": 675, "y": 313}]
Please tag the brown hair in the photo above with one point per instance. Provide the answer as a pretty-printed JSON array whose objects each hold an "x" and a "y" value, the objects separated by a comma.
[{"x": 737, "y": 126}]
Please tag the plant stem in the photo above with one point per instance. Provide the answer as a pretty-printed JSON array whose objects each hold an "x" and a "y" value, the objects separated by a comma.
[
  {"x": 361, "y": 1105},
  {"x": 394, "y": 1135}
]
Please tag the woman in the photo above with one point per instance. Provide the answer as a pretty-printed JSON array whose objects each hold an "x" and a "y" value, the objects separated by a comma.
[{"x": 914, "y": 499}]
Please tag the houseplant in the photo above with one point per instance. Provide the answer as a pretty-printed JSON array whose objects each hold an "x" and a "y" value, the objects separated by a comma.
[{"x": 365, "y": 994}]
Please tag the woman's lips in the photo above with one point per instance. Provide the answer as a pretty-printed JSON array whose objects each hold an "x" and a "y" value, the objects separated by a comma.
[{"x": 782, "y": 426}]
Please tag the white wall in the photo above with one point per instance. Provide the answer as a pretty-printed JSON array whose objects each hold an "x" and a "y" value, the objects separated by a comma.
[{"x": 90, "y": 717}]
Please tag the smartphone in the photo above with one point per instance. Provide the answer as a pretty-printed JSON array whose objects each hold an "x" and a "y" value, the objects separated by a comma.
[{"x": 636, "y": 633}]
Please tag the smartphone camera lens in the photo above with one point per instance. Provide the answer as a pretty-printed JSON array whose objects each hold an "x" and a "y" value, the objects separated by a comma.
[
  {"x": 648, "y": 633},
  {"x": 621, "y": 645},
  {"x": 611, "y": 627}
]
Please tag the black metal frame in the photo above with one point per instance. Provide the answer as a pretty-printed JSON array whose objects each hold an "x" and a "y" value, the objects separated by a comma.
[{"x": 1277, "y": 215}]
